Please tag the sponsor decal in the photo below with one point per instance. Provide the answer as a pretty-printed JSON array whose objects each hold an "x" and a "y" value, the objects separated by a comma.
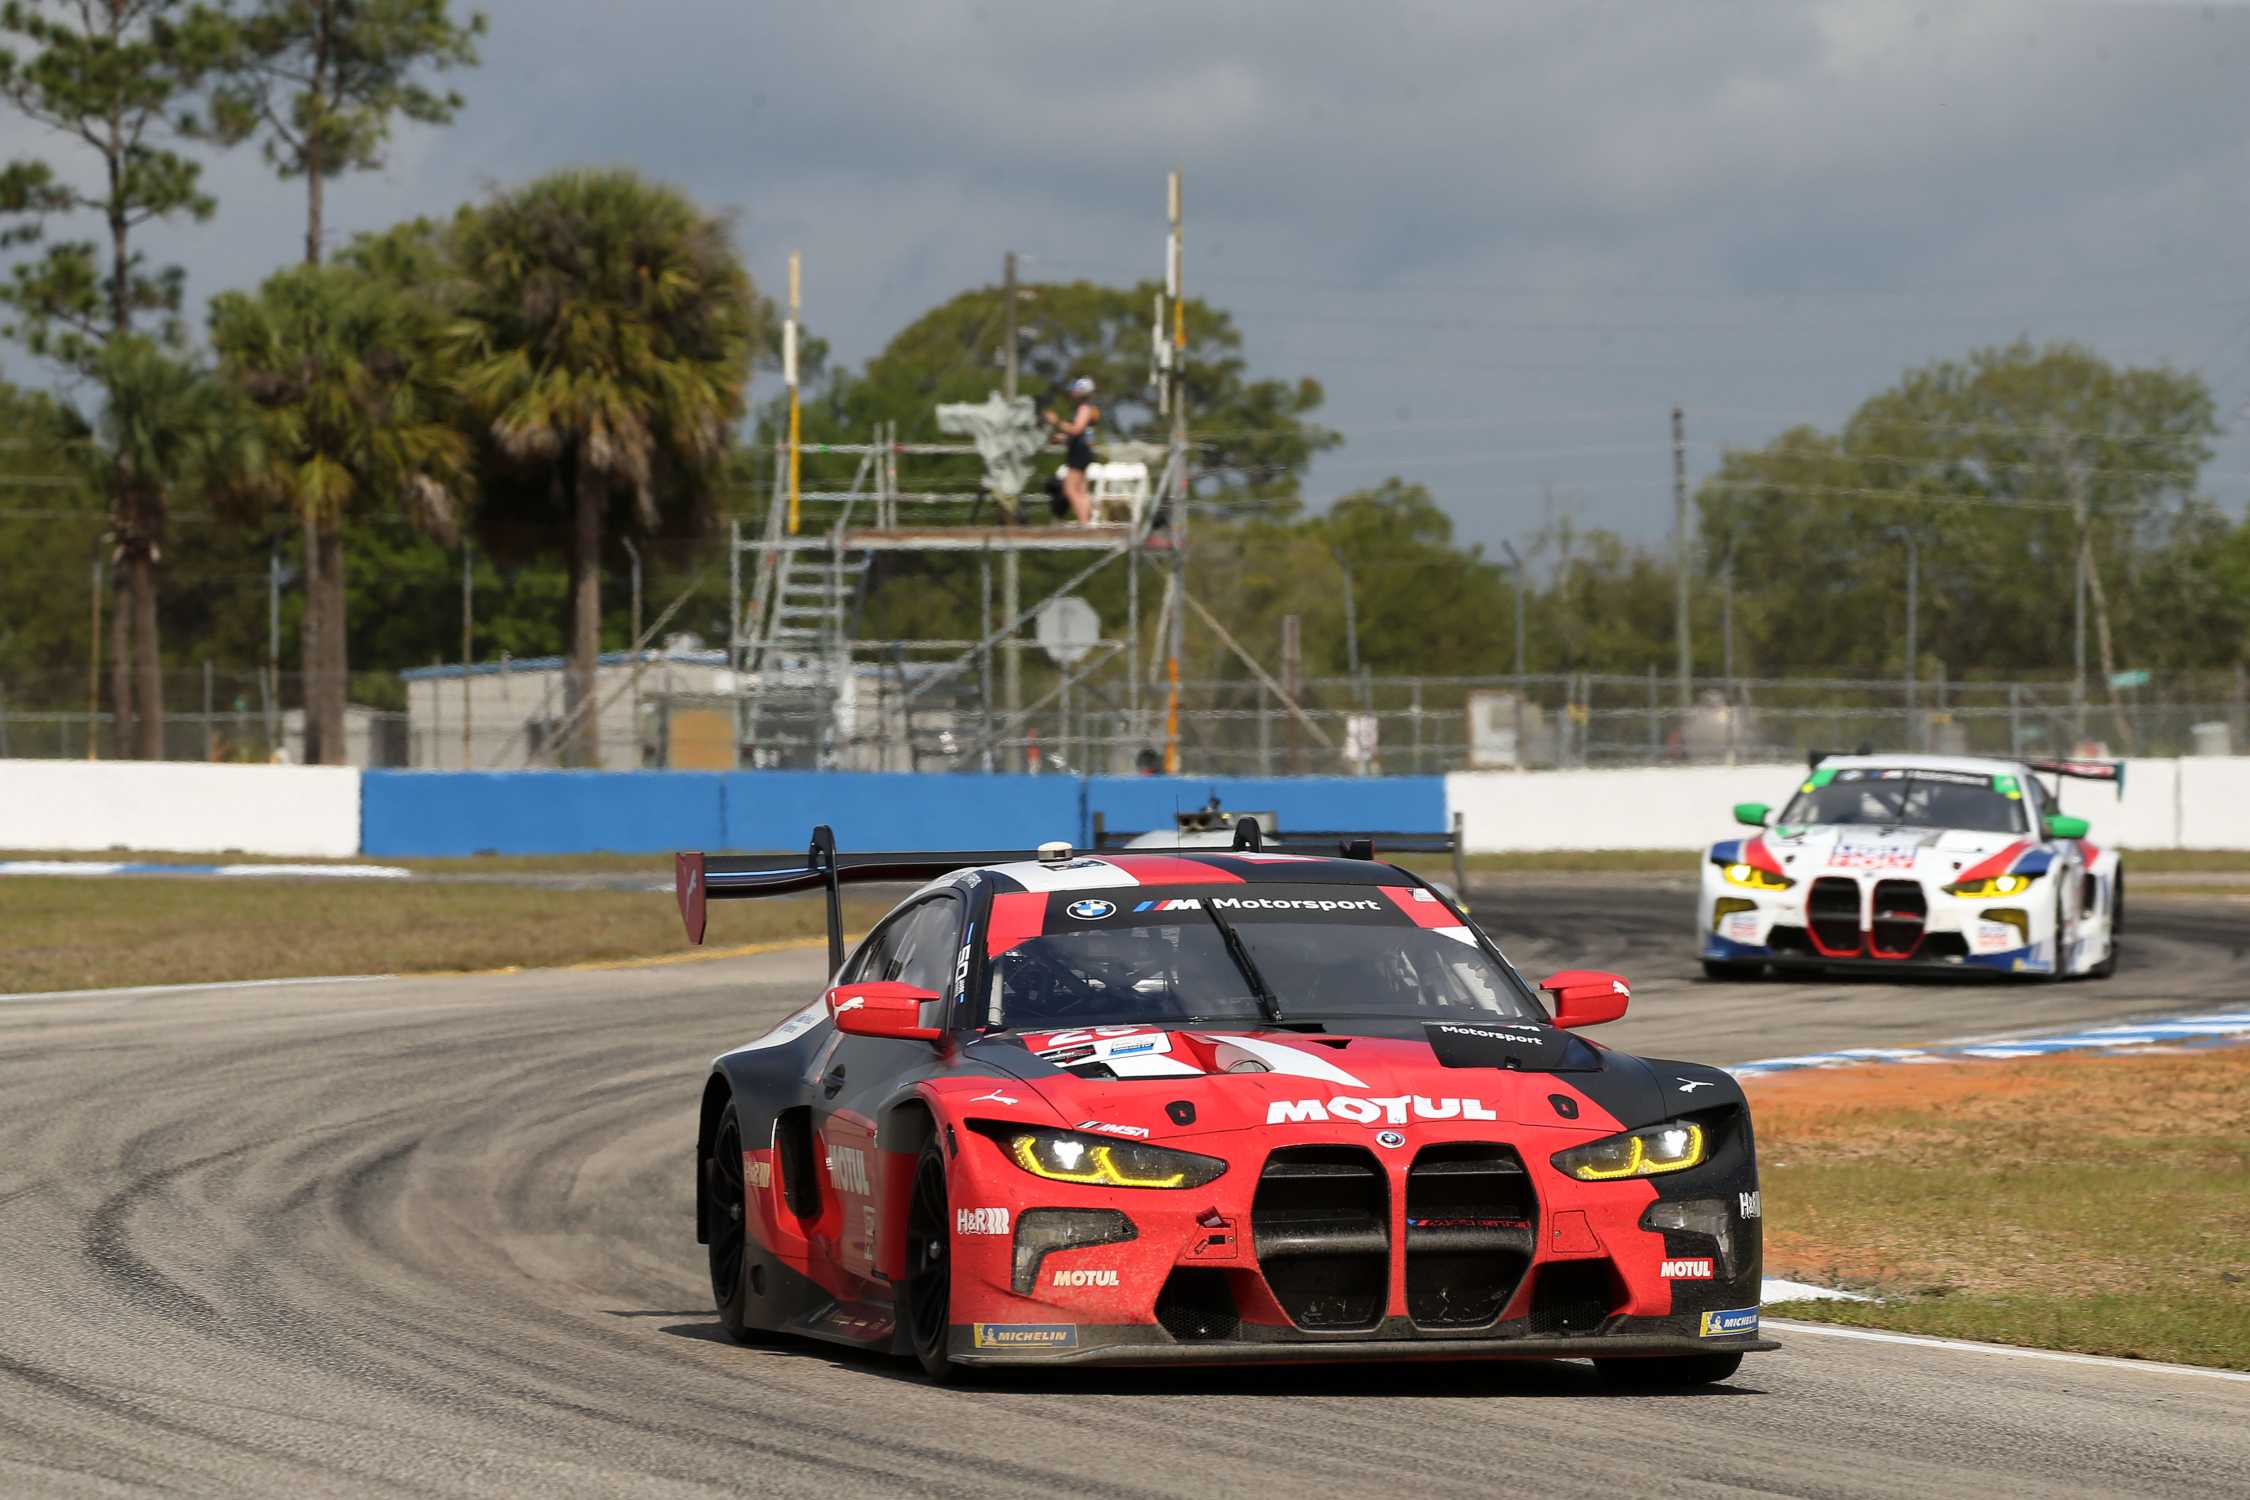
[
  {"x": 1995, "y": 937},
  {"x": 791, "y": 1029},
  {"x": 1025, "y": 1335},
  {"x": 1751, "y": 1204},
  {"x": 1690, "y": 1085},
  {"x": 1873, "y": 857},
  {"x": 1732, "y": 1320},
  {"x": 1083, "y": 1278},
  {"x": 1468, "y": 1223},
  {"x": 1091, "y": 911},
  {"x": 847, "y": 1168},
  {"x": 1739, "y": 927},
  {"x": 1105, "y": 1126},
  {"x": 1391, "y": 1139},
  {"x": 1396, "y": 1110},
  {"x": 1694, "y": 1268},
  {"x": 1423, "y": 895},
  {"x": 1172, "y": 903},
  {"x": 1063, "y": 1041},
  {"x": 1514, "y": 1031},
  {"x": 961, "y": 970},
  {"x": 854, "y": 1003},
  {"x": 1620, "y": 987},
  {"x": 995, "y": 1097},
  {"x": 759, "y": 1174},
  {"x": 1291, "y": 903},
  {"x": 980, "y": 1221},
  {"x": 1130, "y": 1049}
]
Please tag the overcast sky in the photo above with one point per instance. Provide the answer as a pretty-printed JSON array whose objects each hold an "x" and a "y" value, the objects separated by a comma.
[{"x": 1507, "y": 237}]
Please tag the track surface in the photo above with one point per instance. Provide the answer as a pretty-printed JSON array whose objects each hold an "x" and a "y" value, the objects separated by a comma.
[{"x": 433, "y": 1237}]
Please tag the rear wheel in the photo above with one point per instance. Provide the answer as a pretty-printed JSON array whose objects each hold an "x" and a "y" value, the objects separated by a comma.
[
  {"x": 1671, "y": 1372},
  {"x": 729, "y": 1230},
  {"x": 929, "y": 1268},
  {"x": 1733, "y": 969}
]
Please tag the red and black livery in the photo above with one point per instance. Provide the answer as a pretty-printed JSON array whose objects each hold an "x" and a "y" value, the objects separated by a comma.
[{"x": 1212, "y": 1106}]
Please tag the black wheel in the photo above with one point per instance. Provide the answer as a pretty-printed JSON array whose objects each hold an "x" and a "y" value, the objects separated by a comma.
[
  {"x": 929, "y": 1268},
  {"x": 1733, "y": 969},
  {"x": 1670, "y": 1372},
  {"x": 2062, "y": 948},
  {"x": 2108, "y": 965},
  {"x": 729, "y": 1235}
]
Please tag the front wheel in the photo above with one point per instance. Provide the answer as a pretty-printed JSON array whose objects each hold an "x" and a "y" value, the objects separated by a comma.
[
  {"x": 929, "y": 1269},
  {"x": 1732, "y": 969},
  {"x": 1669, "y": 1372}
]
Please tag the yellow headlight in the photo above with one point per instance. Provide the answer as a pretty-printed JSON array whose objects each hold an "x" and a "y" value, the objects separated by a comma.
[
  {"x": 1997, "y": 885},
  {"x": 1755, "y": 879},
  {"x": 1061, "y": 1157},
  {"x": 1649, "y": 1152}
]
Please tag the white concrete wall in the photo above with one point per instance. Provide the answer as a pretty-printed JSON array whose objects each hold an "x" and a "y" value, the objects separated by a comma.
[
  {"x": 2194, "y": 803},
  {"x": 182, "y": 806}
]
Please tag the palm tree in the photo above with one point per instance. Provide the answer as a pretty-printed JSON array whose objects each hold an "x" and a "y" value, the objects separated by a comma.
[
  {"x": 606, "y": 345},
  {"x": 346, "y": 372},
  {"x": 166, "y": 430}
]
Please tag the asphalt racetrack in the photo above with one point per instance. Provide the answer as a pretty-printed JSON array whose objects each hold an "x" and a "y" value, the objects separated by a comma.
[{"x": 435, "y": 1237}]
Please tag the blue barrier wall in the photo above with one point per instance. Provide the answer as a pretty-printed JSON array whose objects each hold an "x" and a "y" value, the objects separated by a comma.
[
  {"x": 872, "y": 810},
  {"x": 539, "y": 812},
  {"x": 652, "y": 812}
]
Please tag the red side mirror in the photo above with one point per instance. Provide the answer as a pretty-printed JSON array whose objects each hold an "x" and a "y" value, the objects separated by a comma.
[
  {"x": 883, "y": 1007},
  {"x": 1586, "y": 997}
]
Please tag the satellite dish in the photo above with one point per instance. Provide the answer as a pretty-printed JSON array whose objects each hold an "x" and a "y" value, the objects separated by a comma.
[{"x": 1067, "y": 628}]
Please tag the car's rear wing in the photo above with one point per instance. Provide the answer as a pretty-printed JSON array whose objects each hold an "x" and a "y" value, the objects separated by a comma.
[
  {"x": 2112, "y": 771},
  {"x": 698, "y": 878},
  {"x": 1251, "y": 832}
]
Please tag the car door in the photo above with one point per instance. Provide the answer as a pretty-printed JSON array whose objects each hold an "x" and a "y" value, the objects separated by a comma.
[{"x": 859, "y": 1073}]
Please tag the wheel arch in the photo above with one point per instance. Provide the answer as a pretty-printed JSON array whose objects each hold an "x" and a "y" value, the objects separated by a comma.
[{"x": 717, "y": 1092}]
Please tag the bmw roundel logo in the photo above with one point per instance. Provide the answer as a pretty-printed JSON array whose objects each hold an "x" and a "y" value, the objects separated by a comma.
[
  {"x": 1090, "y": 911},
  {"x": 1390, "y": 1138}
]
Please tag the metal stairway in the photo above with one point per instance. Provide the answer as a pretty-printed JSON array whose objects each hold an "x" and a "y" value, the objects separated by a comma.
[{"x": 798, "y": 656}]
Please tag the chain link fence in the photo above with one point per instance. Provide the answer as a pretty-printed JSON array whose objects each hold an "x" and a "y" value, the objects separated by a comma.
[{"x": 694, "y": 713}]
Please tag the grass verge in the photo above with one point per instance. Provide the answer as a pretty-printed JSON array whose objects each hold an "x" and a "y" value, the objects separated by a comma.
[
  {"x": 2099, "y": 1204},
  {"x": 61, "y": 934}
]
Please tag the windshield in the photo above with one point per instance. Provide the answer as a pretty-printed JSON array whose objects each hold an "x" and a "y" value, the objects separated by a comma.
[
  {"x": 1910, "y": 799},
  {"x": 1077, "y": 958}
]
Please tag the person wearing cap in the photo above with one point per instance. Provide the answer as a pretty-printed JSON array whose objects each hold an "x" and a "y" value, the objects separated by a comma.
[{"x": 1077, "y": 435}]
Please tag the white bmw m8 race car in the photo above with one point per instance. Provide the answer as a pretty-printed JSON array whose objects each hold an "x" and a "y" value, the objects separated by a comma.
[{"x": 1921, "y": 862}]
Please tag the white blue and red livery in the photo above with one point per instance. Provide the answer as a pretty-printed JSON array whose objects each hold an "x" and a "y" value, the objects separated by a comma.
[{"x": 1885, "y": 862}]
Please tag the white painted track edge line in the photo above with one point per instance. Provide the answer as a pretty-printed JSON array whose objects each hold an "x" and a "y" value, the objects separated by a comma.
[
  {"x": 1966, "y": 1346},
  {"x": 127, "y": 991}
]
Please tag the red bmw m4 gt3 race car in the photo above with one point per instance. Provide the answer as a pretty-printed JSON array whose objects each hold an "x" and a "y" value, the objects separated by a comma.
[{"x": 1225, "y": 1106}]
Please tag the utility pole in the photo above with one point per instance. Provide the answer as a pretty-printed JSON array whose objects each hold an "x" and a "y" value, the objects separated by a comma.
[
  {"x": 1291, "y": 660},
  {"x": 1178, "y": 385},
  {"x": 1011, "y": 561},
  {"x": 634, "y": 554},
  {"x": 1008, "y": 317},
  {"x": 1515, "y": 569},
  {"x": 1680, "y": 547},
  {"x": 789, "y": 378},
  {"x": 1913, "y": 641}
]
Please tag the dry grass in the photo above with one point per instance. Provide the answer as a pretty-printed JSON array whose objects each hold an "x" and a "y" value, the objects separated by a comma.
[
  {"x": 2098, "y": 1203},
  {"x": 80, "y": 933}
]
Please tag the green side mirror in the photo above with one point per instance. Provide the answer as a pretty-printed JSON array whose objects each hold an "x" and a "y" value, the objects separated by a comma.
[
  {"x": 2063, "y": 826},
  {"x": 1752, "y": 813}
]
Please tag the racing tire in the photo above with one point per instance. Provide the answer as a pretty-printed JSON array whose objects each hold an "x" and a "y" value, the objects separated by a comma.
[
  {"x": 1667, "y": 1372},
  {"x": 2108, "y": 965},
  {"x": 2061, "y": 971},
  {"x": 729, "y": 1232},
  {"x": 928, "y": 1303},
  {"x": 1735, "y": 969}
]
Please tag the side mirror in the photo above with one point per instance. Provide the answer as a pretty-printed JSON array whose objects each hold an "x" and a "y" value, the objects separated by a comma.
[
  {"x": 1586, "y": 997},
  {"x": 2063, "y": 826},
  {"x": 1752, "y": 813},
  {"x": 883, "y": 1007}
]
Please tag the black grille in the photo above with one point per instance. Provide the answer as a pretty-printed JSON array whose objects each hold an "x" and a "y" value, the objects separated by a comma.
[
  {"x": 1470, "y": 1232},
  {"x": 1197, "y": 1304},
  {"x": 1832, "y": 912},
  {"x": 1321, "y": 1224},
  {"x": 1900, "y": 912},
  {"x": 1571, "y": 1298}
]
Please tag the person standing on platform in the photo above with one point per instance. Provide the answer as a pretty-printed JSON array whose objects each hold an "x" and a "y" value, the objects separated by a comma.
[{"x": 1077, "y": 436}]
